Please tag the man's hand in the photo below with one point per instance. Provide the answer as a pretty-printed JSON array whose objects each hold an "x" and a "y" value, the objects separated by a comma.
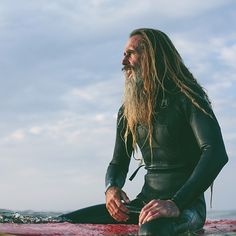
[
  {"x": 114, "y": 205},
  {"x": 158, "y": 208}
]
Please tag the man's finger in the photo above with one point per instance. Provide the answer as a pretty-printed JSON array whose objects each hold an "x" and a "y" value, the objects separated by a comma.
[
  {"x": 120, "y": 216},
  {"x": 150, "y": 204},
  {"x": 121, "y": 206},
  {"x": 124, "y": 197},
  {"x": 117, "y": 213},
  {"x": 152, "y": 217},
  {"x": 142, "y": 216},
  {"x": 147, "y": 210}
]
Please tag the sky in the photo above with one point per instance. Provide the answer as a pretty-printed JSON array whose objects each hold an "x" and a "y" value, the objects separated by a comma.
[{"x": 61, "y": 86}]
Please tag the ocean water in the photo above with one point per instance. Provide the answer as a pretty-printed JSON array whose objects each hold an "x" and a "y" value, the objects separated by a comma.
[
  {"x": 219, "y": 215},
  {"x": 29, "y": 217},
  {"x": 33, "y": 217}
]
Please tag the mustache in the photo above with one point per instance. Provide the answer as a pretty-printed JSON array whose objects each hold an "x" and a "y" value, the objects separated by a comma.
[{"x": 127, "y": 67}]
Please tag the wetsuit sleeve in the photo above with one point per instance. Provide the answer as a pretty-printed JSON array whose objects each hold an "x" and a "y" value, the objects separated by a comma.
[
  {"x": 119, "y": 165},
  {"x": 213, "y": 154}
]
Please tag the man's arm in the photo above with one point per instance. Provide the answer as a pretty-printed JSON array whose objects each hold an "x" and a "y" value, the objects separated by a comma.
[
  {"x": 117, "y": 172},
  {"x": 213, "y": 154}
]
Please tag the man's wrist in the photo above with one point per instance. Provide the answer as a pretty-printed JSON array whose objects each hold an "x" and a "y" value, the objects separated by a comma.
[
  {"x": 175, "y": 205},
  {"x": 109, "y": 186},
  {"x": 174, "y": 201}
]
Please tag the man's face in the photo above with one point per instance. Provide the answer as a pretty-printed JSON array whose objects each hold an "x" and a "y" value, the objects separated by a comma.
[
  {"x": 132, "y": 55},
  {"x": 135, "y": 99}
]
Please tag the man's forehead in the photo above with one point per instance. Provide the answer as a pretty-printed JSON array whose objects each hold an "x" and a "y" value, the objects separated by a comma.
[{"x": 133, "y": 42}]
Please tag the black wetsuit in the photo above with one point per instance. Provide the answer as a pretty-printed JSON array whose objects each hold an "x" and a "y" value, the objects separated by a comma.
[
  {"x": 187, "y": 154},
  {"x": 187, "y": 148}
]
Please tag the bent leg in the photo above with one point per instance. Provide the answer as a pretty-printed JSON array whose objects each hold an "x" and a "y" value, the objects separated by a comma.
[
  {"x": 97, "y": 214},
  {"x": 190, "y": 221},
  {"x": 158, "y": 227},
  {"x": 193, "y": 218}
]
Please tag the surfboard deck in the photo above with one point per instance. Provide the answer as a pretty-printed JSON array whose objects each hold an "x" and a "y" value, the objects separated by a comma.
[{"x": 217, "y": 227}]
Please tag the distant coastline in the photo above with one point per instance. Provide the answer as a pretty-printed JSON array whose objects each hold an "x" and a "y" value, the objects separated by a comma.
[{"x": 222, "y": 214}]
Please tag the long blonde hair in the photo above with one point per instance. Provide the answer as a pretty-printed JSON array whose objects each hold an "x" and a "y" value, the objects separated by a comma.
[{"x": 161, "y": 65}]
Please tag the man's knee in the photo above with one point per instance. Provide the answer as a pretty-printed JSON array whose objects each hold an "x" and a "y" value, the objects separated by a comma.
[
  {"x": 145, "y": 229},
  {"x": 159, "y": 227}
]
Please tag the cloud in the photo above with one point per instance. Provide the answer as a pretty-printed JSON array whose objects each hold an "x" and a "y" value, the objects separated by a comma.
[
  {"x": 103, "y": 95},
  {"x": 228, "y": 54},
  {"x": 35, "y": 130},
  {"x": 17, "y": 135},
  {"x": 85, "y": 20}
]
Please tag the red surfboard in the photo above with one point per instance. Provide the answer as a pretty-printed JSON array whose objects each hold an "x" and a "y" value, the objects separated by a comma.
[{"x": 218, "y": 227}]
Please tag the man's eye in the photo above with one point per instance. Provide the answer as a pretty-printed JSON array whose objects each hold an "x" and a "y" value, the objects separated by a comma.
[{"x": 128, "y": 54}]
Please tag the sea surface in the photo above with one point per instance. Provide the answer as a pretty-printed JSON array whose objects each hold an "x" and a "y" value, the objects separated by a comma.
[
  {"x": 34, "y": 217},
  {"x": 29, "y": 217},
  {"x": 221, "y": 215}
]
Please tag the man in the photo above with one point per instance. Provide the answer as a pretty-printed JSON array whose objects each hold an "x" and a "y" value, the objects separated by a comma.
[{"x": 167, "y": 114}]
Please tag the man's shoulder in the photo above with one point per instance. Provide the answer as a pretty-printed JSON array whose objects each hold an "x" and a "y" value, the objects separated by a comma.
[
  {"x": 120, "y": 115},
  {"x": 177, "y": 98},
  {"x": 120, "y": 111}
]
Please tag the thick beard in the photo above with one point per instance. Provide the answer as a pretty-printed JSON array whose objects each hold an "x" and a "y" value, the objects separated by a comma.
[{"x": 135, "y": 100}]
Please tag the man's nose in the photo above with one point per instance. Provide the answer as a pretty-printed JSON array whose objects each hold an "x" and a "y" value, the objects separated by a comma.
[{"x": 125, "y": 61}]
